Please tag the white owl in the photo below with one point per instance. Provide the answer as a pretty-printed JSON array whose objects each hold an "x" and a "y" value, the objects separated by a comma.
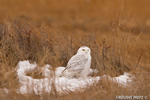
[{"x": 79, "y": 65}]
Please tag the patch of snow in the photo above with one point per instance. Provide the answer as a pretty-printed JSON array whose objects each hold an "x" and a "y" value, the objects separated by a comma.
[
  {"x": 4, "y": 90},
  {"x": 123, "y": 79},
  {"x": 93, "y": 71},
  {"x": 38, "y": 86},
  {"x": 62, "y": 84}
]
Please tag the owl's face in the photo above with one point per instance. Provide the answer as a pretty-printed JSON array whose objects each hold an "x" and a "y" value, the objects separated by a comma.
[{"x": 84, "y": 50}]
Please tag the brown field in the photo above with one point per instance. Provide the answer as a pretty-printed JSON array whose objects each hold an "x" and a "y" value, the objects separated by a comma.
[{"x": 51, "y": 31}]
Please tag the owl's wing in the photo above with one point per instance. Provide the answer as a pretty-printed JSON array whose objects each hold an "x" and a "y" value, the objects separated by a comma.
[{"x": 76, "y": 63}]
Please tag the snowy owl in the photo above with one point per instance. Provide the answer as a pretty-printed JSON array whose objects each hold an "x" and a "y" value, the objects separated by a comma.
[{"x": 79, "y": 65}]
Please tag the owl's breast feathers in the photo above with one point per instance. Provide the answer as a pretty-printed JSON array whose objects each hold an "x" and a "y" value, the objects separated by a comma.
[{"x": 76, "y": 63}]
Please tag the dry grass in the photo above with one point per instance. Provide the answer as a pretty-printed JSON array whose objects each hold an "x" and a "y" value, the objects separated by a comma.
[{"x": 50, "y": 32}]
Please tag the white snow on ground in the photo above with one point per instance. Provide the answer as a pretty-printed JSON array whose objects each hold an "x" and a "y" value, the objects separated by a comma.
[
  {"x": 62, "y": 84},
  {"x": 124, "y": 79},
  {"x": 4, "y": 90}
]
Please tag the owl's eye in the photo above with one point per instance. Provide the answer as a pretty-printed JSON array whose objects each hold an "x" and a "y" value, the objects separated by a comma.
[
  {"x": 88, "y": 49},
  {"x": 83, "y": 49}
]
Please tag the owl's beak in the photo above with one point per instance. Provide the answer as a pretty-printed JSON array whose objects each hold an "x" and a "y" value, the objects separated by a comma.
[{"x": 86, "y": 52}]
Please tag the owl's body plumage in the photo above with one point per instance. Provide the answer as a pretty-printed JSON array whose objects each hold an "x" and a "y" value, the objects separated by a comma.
[{"x": 79, "y": 65}]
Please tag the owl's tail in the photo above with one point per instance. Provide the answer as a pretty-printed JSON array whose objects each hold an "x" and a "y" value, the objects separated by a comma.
[{"x": 62, "y": 73}]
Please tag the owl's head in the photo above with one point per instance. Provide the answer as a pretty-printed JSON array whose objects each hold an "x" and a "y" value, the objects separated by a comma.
[{"x": 84, "y": 50}]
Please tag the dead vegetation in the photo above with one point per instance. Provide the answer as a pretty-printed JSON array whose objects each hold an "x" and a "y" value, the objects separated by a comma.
[{"x": 43, "y": 32}]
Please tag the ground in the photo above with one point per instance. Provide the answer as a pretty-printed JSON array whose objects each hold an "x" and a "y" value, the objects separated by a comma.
[{"x": 51, "y": 31}]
